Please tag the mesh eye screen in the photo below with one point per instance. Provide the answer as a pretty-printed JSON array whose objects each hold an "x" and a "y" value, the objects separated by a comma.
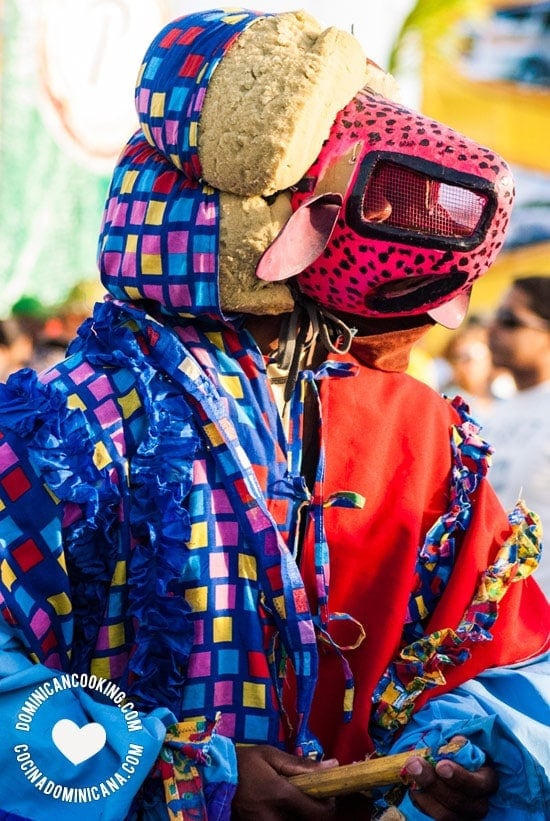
[{"x": 406, "y": 199}]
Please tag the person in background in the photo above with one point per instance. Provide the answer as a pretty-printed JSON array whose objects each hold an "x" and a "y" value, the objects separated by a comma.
[
  {"x": 519, "y": 429},
  {"x": 61, "y": 327},
  {"x": 35, "y": 336},
  {"x": 472, "y": 374},
  {"x": 16, "y": 346}
]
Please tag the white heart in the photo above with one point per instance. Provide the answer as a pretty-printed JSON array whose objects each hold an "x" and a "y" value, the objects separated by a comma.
[{"x": 76, "y": 743}]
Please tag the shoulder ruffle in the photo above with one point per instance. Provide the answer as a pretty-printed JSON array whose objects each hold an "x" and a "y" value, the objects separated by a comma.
[
  {"x": 161, "y": 477},
  {"x": 70, "y": 500},
  {"x": 158, "y": 523}
]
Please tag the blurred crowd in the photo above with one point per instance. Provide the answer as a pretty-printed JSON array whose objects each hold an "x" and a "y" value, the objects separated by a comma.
[
  {"x": 32, "y": 336},
  {"x": 500, "y": 365},
  {"x": 470, "y": 371}
]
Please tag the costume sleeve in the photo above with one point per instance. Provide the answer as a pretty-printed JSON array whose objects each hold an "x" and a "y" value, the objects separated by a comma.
[
  {"x": 503, "y": 713},
  {"x": 72, "y": 740}
]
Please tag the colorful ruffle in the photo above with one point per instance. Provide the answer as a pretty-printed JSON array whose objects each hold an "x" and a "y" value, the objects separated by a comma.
[
  {"x": 421, "y": 664},
  {"x": 199, "y": 778},
  {"x": 422, "y": 660},
  {"x": 61, "y": 451}
]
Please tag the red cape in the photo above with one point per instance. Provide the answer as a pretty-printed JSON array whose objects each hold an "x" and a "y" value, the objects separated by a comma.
[{"x": 388, "y": 439}]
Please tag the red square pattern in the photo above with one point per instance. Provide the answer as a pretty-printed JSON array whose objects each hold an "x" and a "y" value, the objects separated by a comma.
[
  {"x": 15, "y": 484},
  {"x": 257, "y": 665},
  {"x": 27, "y": 555}
]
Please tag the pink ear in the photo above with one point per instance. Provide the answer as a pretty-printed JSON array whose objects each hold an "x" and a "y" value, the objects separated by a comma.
[
  {"x": 302, "y": 240},
  {"x": 451, "y": 314}
]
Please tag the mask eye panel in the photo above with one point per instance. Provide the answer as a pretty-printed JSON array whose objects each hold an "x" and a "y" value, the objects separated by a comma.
[{"x": 419, "y": 203}]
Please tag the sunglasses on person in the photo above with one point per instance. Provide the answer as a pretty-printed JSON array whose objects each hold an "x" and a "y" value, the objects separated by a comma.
[{"x": 510, "y": 321}]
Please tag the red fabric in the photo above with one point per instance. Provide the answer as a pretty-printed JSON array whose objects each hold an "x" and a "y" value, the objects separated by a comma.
[{"x": 387, "y": 437}]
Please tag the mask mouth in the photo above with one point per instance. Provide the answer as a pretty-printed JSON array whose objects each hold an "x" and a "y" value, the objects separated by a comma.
[{"x": 414, "y": 293}]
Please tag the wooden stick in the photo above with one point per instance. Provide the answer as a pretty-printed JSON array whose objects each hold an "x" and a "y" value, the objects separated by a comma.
[{"x": 364, "y": 775}]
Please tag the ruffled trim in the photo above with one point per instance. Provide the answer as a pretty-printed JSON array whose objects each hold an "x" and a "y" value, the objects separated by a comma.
[
  {"x": 277, "y": 570},
  {"x": 59, "y": 443},
  {"x": 421, "y": 662},
  {"x": 61, "y": 450},
  {"x": 470, "y": 462},
  {"x": 160, "y": 479},
  {"x": 420, "y": 665},
  {"x": 161, "y": 476}
]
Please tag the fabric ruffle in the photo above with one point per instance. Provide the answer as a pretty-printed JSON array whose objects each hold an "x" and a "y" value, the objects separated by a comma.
[
  {"x": 160, "y": 477},
  {"x": 83, "y": 499},
  {"x": 421, "y": 664},
  {"x": 436, "y": 556},
  {"x": 422, "y": 661}
]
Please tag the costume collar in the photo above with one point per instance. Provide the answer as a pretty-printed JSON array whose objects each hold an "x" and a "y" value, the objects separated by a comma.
[{"x": 388, "y": 351}]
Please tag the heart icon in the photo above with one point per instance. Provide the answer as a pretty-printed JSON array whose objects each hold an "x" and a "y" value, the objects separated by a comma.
[{"x": 76, "y": 743}]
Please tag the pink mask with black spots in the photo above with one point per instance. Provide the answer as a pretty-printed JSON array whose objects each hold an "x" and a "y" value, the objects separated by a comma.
[{"x": 398, "y": 216}]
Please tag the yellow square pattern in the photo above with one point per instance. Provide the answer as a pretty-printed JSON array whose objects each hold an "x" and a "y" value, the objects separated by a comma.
[
  {"x": 222, "y": 628},
  {"x": 74, "y": 401},
  {"x": 247, "y": 567},
  {"x": 131, "y": 292},
  {"x": 175, "y": 160},
  {"x": 119, "y": 576},
  {"x": 253, "y": 694},
  {"x": 157, "y": 104},
  {"x": 61, "y": 604},
  {"x": 116, "y": 635},
  {"x": 151, "y": 264},
  {"x": 279, "y": 603},
  {"x": 131, "y": 243},
  {"x": 213, "y": 434},
  {"x": 7, "y": 575},
  {"x": 128, "y": 182},
  {"x": 199, "y": 535},
  {"x": 233, "y": 385},
  {"x": 155, "y": 212},
  {"x": 422, "y": 609},
  {"x": 101, "y": 456},
  {"x": 100, "y": 668},
  {"x": 193, "y": 132},
  {"x": 197, "y": 598},
  {"x": 129, "y": 403},
  {"x": 216, "y": 339}
]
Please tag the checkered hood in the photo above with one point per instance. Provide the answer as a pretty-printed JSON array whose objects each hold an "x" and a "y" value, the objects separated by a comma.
[{"x": 159, "y": 237}]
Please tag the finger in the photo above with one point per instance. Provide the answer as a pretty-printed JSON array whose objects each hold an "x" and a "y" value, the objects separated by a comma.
[
  {"x": 287, "y": 765},
  {"x": 265, "y": 793},
  {"x": 298, "y": 805},
  {"x": 290, "y": 802},
  {"x": 480, "y": 783},
  {"x": 483, "y": 781},
  {"x": 453, "y": 792}
]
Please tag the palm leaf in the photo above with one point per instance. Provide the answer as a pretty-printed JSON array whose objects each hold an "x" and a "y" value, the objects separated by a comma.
[{"x": 431, "y": 25}]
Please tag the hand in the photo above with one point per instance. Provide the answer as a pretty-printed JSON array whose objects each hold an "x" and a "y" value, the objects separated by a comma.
[
  {"x": 264, "y": 792},
  {"x": 449, "y": 792}
]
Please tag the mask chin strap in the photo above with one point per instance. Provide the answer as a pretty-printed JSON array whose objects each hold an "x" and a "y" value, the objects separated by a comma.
[{"x": 302, "y": 331}]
